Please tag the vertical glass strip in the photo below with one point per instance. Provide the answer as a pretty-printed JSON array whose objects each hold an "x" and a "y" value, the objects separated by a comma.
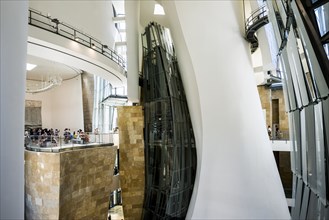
[
  {"x": 303, "y": 146},
  {"x": 295, "y": 213},
  {"x": 293, "y": 144},
  {"x": 311, "y": 148},
  {"x": 288, "y": 79},
  {"x": 320, "y": 154},
  {"x": 314, "y": 66},
  {"x": 298, "y": 154},
  {"x": 296, "y": 71}
]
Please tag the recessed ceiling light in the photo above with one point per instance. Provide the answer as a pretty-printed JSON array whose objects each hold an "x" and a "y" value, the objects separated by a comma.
[
  {"x": 158, "y": 10},
  {"x": 30, "y": 66}
]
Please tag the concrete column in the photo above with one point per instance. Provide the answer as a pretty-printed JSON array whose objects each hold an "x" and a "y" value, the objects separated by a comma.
[
  {"x": 13, "y": 38},
  {"x": 132, "y": 24},
  {"x": 237, "y": 176}
]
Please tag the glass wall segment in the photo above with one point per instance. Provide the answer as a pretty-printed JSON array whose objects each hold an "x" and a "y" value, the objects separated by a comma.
[
  {"x": 103, "y": 115},
  {"x": 170, "y": 154},
  {"x": 305, "y": 79},
  {"x": 322, "y": 13}
]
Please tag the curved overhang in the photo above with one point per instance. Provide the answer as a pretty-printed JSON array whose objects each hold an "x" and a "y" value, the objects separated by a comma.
[{"x": 53, "y": 47}]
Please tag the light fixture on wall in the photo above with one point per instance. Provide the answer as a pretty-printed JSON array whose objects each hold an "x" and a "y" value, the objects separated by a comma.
[
  {"x": 33, "y": 86},
  {"x": 93, "y": 45}
]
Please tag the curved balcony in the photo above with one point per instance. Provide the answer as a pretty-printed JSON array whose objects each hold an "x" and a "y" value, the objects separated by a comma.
[
  {"x": 257, "y": 19},
  {"x": 63, "y": 29}
]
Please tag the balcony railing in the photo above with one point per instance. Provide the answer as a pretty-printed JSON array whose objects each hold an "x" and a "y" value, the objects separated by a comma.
[
  {"x": 57, "y": 143},
  {"x": 37, "y": 19}
]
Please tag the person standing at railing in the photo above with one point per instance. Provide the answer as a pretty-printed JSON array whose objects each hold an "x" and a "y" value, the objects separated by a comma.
[
  {"x": 277, "y": 132},
  {"x": 269, "y": 131}
]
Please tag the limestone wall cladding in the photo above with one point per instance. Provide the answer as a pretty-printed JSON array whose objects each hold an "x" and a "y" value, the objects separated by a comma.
[
  {"x": 284, "y": 122},
  {"x": 265, "y": 99},
  {"x": 86, "y": 178},
  {"x": 132, "y": 174},
  {"x": 266, "y": 96},
  {"x": 69, "y": 185},
  {"x": 42, "y": 179}
]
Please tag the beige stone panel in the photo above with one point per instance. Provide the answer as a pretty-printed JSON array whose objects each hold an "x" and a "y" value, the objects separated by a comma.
[
  {"x": 86, "y": 177},
  {"x": 41, "y": 185},
  {"x": 132, "y": 174}
]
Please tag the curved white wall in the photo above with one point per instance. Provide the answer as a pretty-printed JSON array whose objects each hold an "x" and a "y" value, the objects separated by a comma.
[
  {"x": 237, "y": 176},
  {"x": 62, "y": 106},
  {"x": 13, "y": 36}
]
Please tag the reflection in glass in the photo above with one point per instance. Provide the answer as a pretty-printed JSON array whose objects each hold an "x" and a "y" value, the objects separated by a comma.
[
  {"x": 321, "y": 168},
  {"x": 322, "y": 14},
  {"x": 170, "y": 154},
  {"x": 326, "y": 49}
]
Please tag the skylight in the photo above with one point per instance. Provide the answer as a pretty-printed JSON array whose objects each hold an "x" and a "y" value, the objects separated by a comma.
[
  {"x": 30, "y": 66},
  {"x": 158, "y": 10}
]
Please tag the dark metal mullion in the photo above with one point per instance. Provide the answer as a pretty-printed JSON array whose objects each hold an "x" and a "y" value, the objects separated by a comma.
[
  {"x": 325, "y": 38},
  {"x": 315, "y": 40}
]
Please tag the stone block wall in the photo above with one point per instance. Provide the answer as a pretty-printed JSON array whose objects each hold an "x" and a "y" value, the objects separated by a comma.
[
  {"x": 42, "y": 180},
  {"x": 284, "y": 121},
  {"x": 69, "y": 185},
  {"x": 132, "y": 172},
  {"x": 266, "y": 96},
  {"x": 86, "y": 179}
]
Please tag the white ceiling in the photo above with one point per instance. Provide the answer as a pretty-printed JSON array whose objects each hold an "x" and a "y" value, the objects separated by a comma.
[{"x": 46, "y": 68}]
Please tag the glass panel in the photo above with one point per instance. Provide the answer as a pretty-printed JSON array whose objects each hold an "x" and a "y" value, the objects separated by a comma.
[
  {"x": 305, "y": 203},
  {"x": 324, "y": 212},
  {"x": 297, "y": 71},
  {"x": 279, "y": 19},
  {"x": 310, "y": 147},
  {"x": 293, "y": 143},
  {"x": 303, "y": 145},
  {"x": 298, "y": 155},
  {"x": 313, "y": 63},
  {"x": 322, "y": 15},
  {"x": 320, "y": 154},
  {"x": 288, "y": 79},
  {"x": 325, "y": 110},
  {"x": 305, "y": 72},
  {"x": 326, "y": 49},
  {"x": 295, "y": 213},
  {"x": 313, "y": 207}
]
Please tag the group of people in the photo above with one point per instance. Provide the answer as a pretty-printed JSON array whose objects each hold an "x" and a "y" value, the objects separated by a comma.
[
  {"x": 76, "y": 136},
  {"x": 44, "y": 137},
  {"x": 41, "y": 136},
  {"x": 274, "y": 135}
]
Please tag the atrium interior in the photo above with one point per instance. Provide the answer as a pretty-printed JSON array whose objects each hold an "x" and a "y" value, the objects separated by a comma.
[{"x": 119, "y": 109}]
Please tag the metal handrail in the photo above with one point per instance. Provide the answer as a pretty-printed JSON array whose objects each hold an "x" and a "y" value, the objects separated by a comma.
[
  {"x": 37, "y": 19},
  {"x": 57, "y": 143},
  {"x": 256, "y": 15}
]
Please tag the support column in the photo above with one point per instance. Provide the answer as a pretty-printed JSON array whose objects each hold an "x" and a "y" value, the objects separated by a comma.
[
  {"x": 132, "y": 23},
  {"x": 13, "y": 38}
]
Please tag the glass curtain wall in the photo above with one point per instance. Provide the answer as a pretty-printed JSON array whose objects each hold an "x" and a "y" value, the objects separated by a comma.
[
  {"x": 306, "y": 90},
  {"x": 104, "y": 118}
]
